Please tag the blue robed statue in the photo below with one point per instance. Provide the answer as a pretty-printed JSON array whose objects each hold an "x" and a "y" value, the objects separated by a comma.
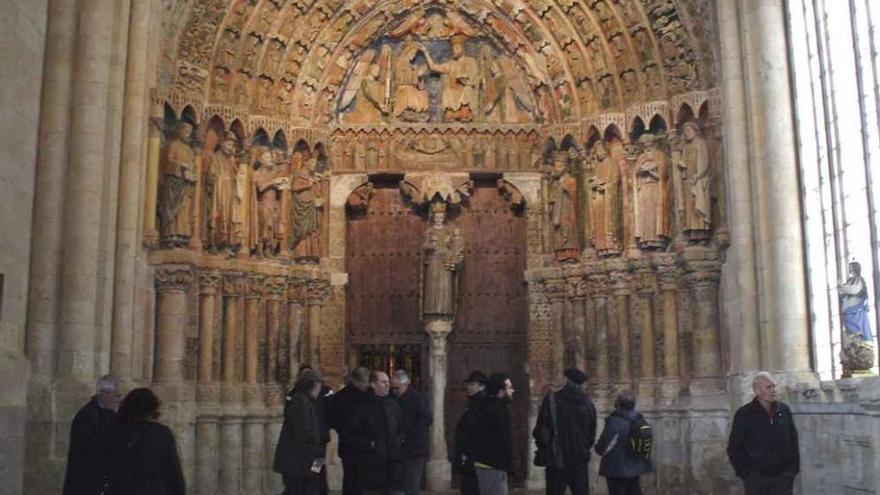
[{"x": 858, "y": 341}]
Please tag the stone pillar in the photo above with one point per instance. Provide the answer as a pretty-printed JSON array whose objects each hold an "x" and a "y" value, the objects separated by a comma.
[
  {"x": 598, "y": 284},
  {"x": 668, "y": 281},
  {"x": 232, "y": 285},
  {"x": 437, "y": 471},
  {"x": 619, "y": 337},
  {"x": 207, "y": 455},
  {"x": 252, "y": 301},
  {"x": 209, "y": 282},
  {"x": 296, "y": 295},
  {"x": 275, "y": 288},
  {"x": 198, "y": 147},
  {"x": 702, "y": 274},
  {"x": 317, "y": 292},
  {"x": 229, "y": 475},
  {"x": 576, "y": 293},
  {"x": 154, "y": 155},
  {"x": 252, "y": 450},
  {"x": 539, "y": 362},
  {"x": 644, "y": 320},
  {"x": 273, "y": 483},
  {"x": 172, "y": 282},
  {"x": 555, "y": 291}
]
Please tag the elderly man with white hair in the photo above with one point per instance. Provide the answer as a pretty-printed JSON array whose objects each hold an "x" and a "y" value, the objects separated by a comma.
[
  {"x": 416, "y": 423},
  {"x": 763, "y": 444}
]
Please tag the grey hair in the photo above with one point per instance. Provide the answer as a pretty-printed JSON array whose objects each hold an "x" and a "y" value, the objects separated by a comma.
[
  {"x": 762, "y": 374},
  {"x": 107, "y": 383},
  {"x": 360, "y": 375},
  {"x": 402, "y": 377}
]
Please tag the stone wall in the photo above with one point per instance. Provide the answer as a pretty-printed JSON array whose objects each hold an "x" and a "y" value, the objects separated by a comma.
[{"x": 22, "y": 41}]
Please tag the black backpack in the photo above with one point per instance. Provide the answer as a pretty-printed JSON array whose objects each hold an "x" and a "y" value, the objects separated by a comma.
[{"x": 641, "y": 438}]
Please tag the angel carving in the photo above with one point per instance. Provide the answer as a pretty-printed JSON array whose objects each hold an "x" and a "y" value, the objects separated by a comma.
[{"x": 367, "y": 92}]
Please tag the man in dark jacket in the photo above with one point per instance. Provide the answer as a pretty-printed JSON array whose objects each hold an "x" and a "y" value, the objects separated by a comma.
[
  {"x": 763, "y": 444},
  {"x": 91, "y": 437},
  {"x": 322, "y": 409},
  {"x": 620, "y": 466},
  {"x": 416, "y": 423},
  {"x": 341, "y": 406},
  {"x": 462, "y": 458},
  {"x": 565, "y": 433},
  {"x": 374, "y": 435},
  {"x": 492, "y": 444},
  {"x": 299, "y": 456}
]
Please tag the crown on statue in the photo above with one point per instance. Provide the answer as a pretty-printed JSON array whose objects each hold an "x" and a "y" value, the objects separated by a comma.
[{"x": 438, "y": 207}]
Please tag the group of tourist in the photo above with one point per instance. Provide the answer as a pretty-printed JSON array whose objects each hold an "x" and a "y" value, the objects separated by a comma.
[{"x": 383, "y": 426}]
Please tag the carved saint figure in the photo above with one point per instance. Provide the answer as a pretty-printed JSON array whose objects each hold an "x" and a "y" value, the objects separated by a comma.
[
  {"x": 179, "y": 178},
  {"x": 857, "y": 353},
  {"x": 563, "y": 206},
  {"x": 695, "y": 172},
  {"x": 305, "y": 213},
  {"x": 368, "y": 89},
  {"x": 442, "y": 256},
  {"x": 268, "y": 185},
  {"x": 460, "y": 82},
  {"x": 506, "y": 90},
  {"x": 221, "y": 188},
  {"x": 651, "y": 196},
  {"x": 410, "y": 95},
  {"x": 604, "y": 187}
]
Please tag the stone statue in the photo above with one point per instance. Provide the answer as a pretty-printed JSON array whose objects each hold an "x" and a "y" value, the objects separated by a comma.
[
  {"x": 305, "y": 210},
  {"x": 460, "y": 82},
  {"x": 651, "y": 196},
  {"x": 368, "y": 89},
  {"x": 244, "y": 211},
  {"x": 410, "y": 95},
  {"x": 857, "y": 352},
  {"x": 220, "y": 188},
  {"x": 563, "y": 210},
  {"x": 268, "y": 185},
  {"x": 179, "y": 178},
  {"x": 442, "y": 256},
  {"x": 695, "y": 171},
  {"x": 605, "y": 197},
  {"x": 506, "y": 90}
]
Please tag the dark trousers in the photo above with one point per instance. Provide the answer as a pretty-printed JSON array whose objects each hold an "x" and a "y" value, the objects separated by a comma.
[
  {"x": 301, "y": 485},
  {"x": 624, "y": 486},
  {"x": 349, "y": 477},
  {"x": 757, "y": 484},
  {"x": 577, "y": 480},
  {"x": 469, "y": 484},
  {"x": 413, "y": 470}
]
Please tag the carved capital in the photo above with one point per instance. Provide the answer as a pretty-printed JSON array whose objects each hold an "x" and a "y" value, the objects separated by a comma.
[
  {"x": 173, "y": 278},
  {"x": 317, "y": 291},
  {"x": 575, "y": 287},
  {"x": 256, "y": 283},
  {"x": 619, "y": 282},
  {"x": 597, "y": 284},
  {"x": 209, "y": 281},
  {"x": 703, "y": 274},
  {"x": 275, "y": 286},
  {"x": 537, "y": 295},
  {"x": 555, "y": 289},
  {"x": 667, "y": 276},
  {"x": 296, "y": 290},
  {"x": 232, "y": 284},
  {"x": 644, "y": 281}
]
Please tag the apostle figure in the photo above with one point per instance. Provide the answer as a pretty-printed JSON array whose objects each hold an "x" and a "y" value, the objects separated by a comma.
[
  {"x": 410, "y": 95},
  {"x": 305, "y": 214},
  {"x": 442, "y": 256},
  {"x": 651, "y": 196},
  {"x": 220, "y": 184},
  {"x": 604, "y": 187},
  {"x": 268, "y": 185},
  {"x": 460, "y": 82},
  {"x": 857, "y": 353},
  {"x": 179, "y": 178},
  {"x": 695, "y": 172},
  {"x": 563, "y": 207}
]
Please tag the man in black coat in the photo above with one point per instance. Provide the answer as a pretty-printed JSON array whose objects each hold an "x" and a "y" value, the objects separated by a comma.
[
  {"x": 462, "y": 458},
  {"x": 341, "y": 406},
  {"x": 322, "y": 408},
  {"x": 492, "y": 443},
  {"x": 375, "y": 439},
  {"x": 564, "y": 433},
  {"x": 299, "y": 455},
  {"x": 620, "y": 466},
  {"x": 416, "y": 423},
  {"x": 91, "y": 437},
  {"x": 763, "y": 445}
]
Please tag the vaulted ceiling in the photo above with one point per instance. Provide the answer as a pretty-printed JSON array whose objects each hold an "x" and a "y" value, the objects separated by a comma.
[{"x": 291, "y": 59}]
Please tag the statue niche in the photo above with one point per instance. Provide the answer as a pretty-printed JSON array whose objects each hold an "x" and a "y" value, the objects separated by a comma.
[{"x": 177, "y": 188}]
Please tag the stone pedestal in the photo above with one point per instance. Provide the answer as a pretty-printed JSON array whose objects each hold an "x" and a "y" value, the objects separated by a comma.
[{"x": 437, "y": 471}]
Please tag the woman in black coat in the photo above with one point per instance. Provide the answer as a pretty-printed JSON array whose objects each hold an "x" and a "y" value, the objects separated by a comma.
[{"x": 144, "y": 454}]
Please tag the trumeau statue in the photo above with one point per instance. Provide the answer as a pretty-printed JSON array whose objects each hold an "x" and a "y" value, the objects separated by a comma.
[
  {"x": 442, "y": 256},
  {"x": 651, "y": 195},
  {"x": 605, "y": 196},
  {"x": 268, "y": 185},
  {"x": 857, "y": 346},
  {"x": 695, "y": 170},
  {"x": 220, "y": 185},
  {"x": 563, "y": 207},
  {"x": 306, "y": 206},
  {"x": 461, "y": 76},
  {"x": 179, "y": 178}
]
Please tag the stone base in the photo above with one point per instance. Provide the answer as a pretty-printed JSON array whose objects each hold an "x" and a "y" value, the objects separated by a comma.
[
  {"x": 438, "y": 475},
  {"x": 14, "y": 371}
]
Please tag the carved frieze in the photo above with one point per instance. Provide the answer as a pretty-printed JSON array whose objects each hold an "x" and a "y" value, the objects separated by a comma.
[{"x": 170, "y": 278}]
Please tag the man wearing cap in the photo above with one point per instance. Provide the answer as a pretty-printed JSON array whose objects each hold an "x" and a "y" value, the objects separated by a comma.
[
  {"x": 462, "y": 462},
  {"x": 564, "y": 434}
]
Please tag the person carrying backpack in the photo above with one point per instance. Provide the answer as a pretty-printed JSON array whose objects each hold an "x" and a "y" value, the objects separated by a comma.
[{"x": 625, "y": 446}]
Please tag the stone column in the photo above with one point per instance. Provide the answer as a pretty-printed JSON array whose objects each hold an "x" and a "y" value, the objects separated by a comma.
[
  {"x": 702, "y": 274},
  {"x": 172, "y": 282},
  {"x": 274, "y": 483},
  {"x": 252, "y": 450},
  {"x": 668, "y": 281},
  {"x": 232, "y": 286},
  {"x": 555, "y": 291},
  {"x": 209, "y": 282},
  {"x": 252, "y": 300},
  {"x": 317, "y": 292},
  {"x": 598, "y": 284},
  {"x": 576, "y": 293},
  {"x": 644, "y": 319},
  {"x": 437, "y": 470},
  {"x": 230, "y": 456},
  {"x": 539, "y": 362},
  {"x": 619, "y": 337},
  {"x": 207, "y": 455},
  {"x": 275, "y": 288},
  {"x": 154, "y": 155},
  {"x": 296, "y": 295}
]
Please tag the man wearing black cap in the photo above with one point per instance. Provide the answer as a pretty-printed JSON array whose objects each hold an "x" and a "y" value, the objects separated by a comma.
[
  {"x": 462, "y": 458},
  {"x": 565, "y": 433}
]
